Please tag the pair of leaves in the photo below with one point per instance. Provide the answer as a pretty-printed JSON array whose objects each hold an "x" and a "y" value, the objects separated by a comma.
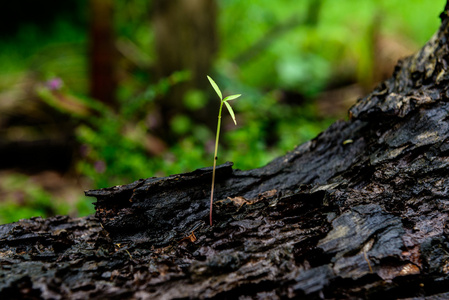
[{"x": 225, "y": 100}]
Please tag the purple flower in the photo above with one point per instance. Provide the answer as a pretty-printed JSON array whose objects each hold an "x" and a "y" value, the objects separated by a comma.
[
  {"x": 54, "y": 84},
  {"x": 100, "y": 166}
]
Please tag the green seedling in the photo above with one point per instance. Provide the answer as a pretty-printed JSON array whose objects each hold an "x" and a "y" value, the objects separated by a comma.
[{"x": 231, "y": 112}]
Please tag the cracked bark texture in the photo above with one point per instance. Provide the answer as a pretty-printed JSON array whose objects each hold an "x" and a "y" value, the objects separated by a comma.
[{"x": 361, "y": 211}]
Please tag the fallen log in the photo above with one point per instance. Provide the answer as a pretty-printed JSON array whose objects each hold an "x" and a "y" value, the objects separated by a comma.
[{"x": 361, "y": 211}]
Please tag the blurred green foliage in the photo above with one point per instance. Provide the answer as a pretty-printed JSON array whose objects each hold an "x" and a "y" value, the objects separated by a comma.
[
  {"x": 268, "y": 49},
  {"x": 305, "y": 57},
  {"x": 114, "y": 142},
  {"x": 21, "y": 199}
]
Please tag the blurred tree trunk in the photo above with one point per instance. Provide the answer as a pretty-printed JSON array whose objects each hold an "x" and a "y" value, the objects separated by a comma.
[
  {"x": 186, "y": 39},
  {"x": 102, "y": 52}
]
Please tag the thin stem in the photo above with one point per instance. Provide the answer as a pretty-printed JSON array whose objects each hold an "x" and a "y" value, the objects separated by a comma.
[{"x": 215, "y": 162}]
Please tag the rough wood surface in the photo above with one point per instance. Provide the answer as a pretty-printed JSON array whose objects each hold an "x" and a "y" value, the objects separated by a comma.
[{"x": 361, "y": 211}]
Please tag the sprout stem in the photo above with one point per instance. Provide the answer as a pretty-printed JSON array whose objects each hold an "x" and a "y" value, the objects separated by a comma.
[
  {"x": 231, "y": 112},
  {"x": 215, "y": 161}
]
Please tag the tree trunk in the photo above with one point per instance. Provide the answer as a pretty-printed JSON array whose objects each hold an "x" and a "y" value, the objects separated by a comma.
[
  {"x": 361, "y": 211},
  {"x": 186, "y": 40},
  {"x": 102, "y": 52}
]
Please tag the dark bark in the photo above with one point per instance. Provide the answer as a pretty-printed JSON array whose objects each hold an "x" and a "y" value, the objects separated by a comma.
[{"x": 361, "y": 211}]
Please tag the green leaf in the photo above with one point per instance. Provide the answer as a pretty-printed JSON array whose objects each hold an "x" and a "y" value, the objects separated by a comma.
[
  {"x": 231, "y": 112},
  {"x": 232, "y": 97},
  {"x": 215, "y": 86}
]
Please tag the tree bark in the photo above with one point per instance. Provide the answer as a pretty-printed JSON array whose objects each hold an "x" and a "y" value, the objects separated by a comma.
[{"x": 359, "y": 212}]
